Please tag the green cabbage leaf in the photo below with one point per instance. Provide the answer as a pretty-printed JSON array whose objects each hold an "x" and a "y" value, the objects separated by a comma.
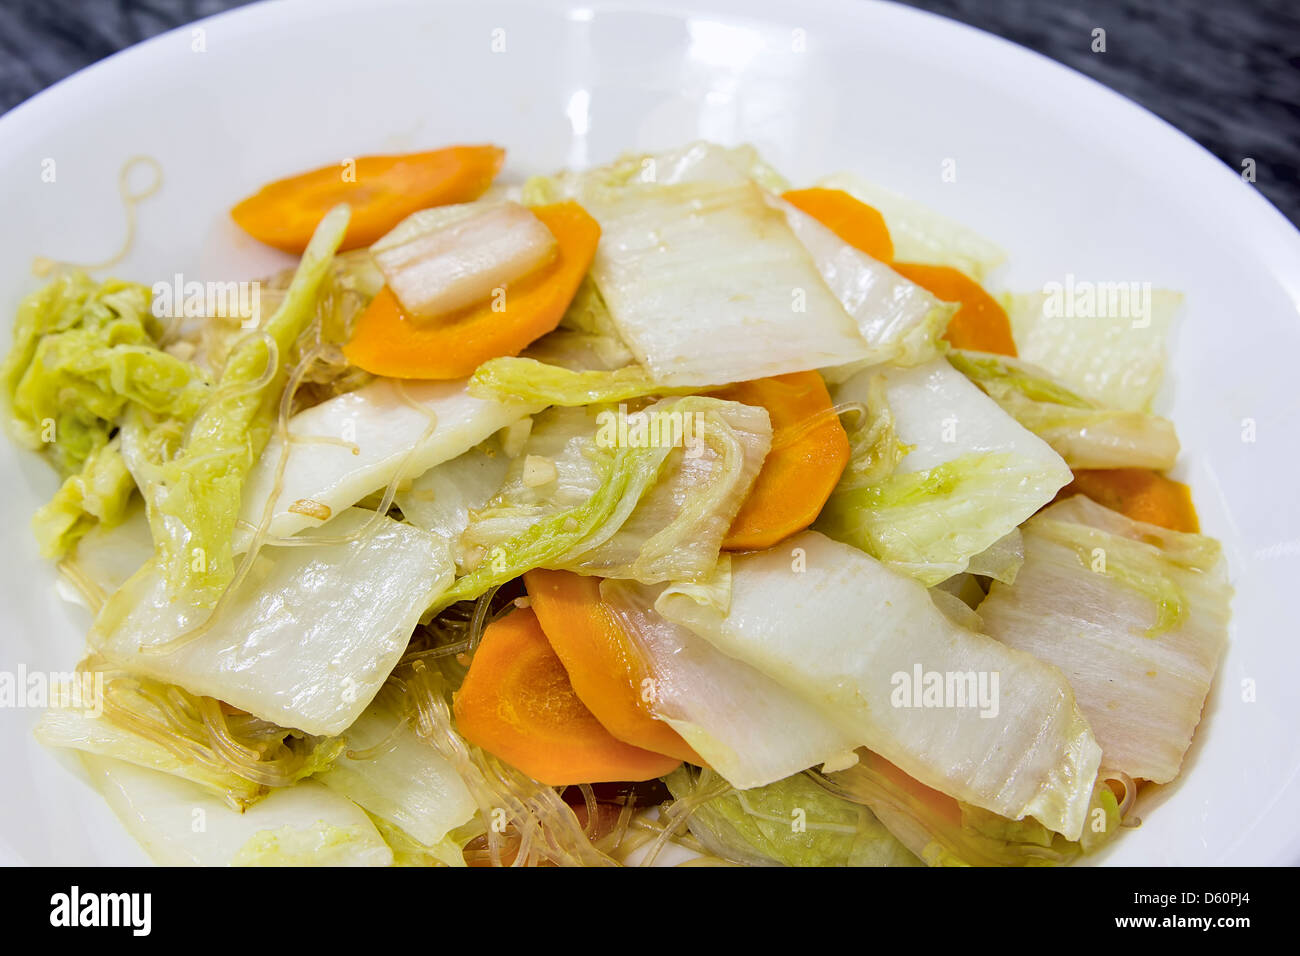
[{"x": 792, "y": 822}]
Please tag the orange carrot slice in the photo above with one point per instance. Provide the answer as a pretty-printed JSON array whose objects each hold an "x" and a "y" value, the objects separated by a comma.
[
  {"x": 601, "y": 663},
  {"x": 386, "y": 342},
  {"x": 518, "y": 704},
  {"x": 809, "y": 453},
  {"x": 382, "y": 191},
  {"x": 1140, "y": 493},
  {"x": 980, "y": 324},
  {"x": 858, "y": 224}
]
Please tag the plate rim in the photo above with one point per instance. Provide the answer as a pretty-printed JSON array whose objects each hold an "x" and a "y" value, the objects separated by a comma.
[{"x": 1276, "y": 233}]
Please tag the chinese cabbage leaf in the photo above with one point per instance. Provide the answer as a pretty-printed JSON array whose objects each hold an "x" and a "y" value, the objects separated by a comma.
[
  {"x": 964, "y": 473},
  {"x": 97, "y": 496},
  {"x": 78, "y": 729},
  {"x": 194, "y": 497},
  {"x": 1104, "y": 341},
  {"x": 305, "y": 641},
  {"x": 791, "y": 822},
  {"x": 354, "y": 444},
  {"x": 900, "y": 321},
  {"x": 945, "y": 832},
  {"x": 749, "y": 728},
  {"x": 303, "y": 825},
  {"x": 708, "y": 284},
  {"x": 1082, "y": 432},
  {"x": 443, "y": 499},
  {"x": 866, "y": 644},
  {"x": 647, "y": 495},
  {"x": 1135, "y": 616},
  {"x": 85, "y": 354},
  {"x": 399, "y": 777},
  {"x": 82, "y": 353}
]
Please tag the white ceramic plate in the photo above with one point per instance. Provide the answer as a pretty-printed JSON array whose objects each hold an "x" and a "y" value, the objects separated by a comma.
[{"x": 1066, "y": 176}]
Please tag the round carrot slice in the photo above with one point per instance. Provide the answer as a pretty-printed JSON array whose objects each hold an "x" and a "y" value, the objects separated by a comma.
[
  {"x": 601, "y": 664},
  {"x": 518, "y": 704},
  {"x": 382, "y": 191},
  {"x": 858, "y": 224},
  {"x": 810, "y": 450},
  {"x": 387, "y": 342},
  {"x": 1140, "y": 493},
  {"x": 980, "y": 324}
]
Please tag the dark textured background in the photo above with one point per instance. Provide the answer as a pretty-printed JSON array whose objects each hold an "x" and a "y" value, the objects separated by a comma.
[{"x": 1226, "y": 72}]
